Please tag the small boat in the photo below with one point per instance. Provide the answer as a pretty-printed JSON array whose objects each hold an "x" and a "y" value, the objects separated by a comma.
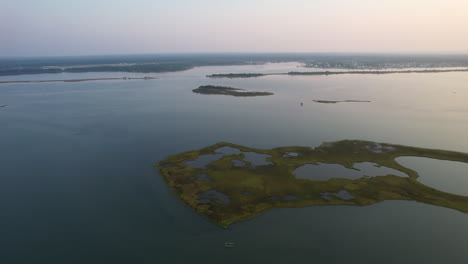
[{"x": 229, "y": 244}]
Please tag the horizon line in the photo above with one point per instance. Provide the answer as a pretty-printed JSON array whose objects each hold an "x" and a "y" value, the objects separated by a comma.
[{"x": 250, "y": 53}]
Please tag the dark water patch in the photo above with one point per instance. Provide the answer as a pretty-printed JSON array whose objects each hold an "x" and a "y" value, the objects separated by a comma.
[
  {"x": 214, "y": 196},
  {"x": 227, "y": 151},
  {"x": 290, "y": 198},
  {"x": 255, "y": 159},
  {"x": 203, "y": 160},
  {"x": 238, "y": 163},
  {"x": 203, "y": 178},
  {"x": 290, "y": 155},
  {"x": 205, "y": 201},
  {"x": 444, "y": 175},
  {"x": 343, "y": 195},
  {"x": 325, "y": 171},
  {"x": 373, "y": 170}
]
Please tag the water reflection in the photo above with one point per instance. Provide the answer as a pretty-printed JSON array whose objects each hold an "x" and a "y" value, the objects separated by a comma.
[{"x": 444, "y": 175}]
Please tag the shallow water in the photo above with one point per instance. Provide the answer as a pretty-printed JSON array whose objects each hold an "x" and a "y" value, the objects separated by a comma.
[
  {"x": 342, "y": 194},
  {"x": 203, "y": 160},
  {"x": 444, "y": 175},
  {"x": 213, "y": 196},
  {"x": 325, "y": 171},
  {"x": 255, "y": 159},
  {"x": 77, "y": 183},
  {"x": 238, "y": 163}
]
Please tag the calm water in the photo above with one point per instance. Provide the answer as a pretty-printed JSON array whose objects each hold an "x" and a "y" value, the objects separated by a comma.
[
  {"x": 77, "y": 183},
  {"x": 444, "y": 175},
  {"x": 325, "y": 171}
]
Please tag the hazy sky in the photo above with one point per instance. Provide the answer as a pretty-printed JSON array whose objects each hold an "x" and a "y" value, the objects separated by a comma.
[{"x": 77, "y": 27}]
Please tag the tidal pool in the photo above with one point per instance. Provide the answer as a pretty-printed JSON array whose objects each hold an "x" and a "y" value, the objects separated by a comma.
[
  {"x": 444, "y": 175},
  {"x": 203, "y": 160},
  {"x": 202, "y": 178},
  {"x": 238, "y": 163},
  {"x": 325, "y": 171},
  {"x": 255, "y": 159},
  {"x": 211, "y": 196},
  {"x": 342, "y": 194}
]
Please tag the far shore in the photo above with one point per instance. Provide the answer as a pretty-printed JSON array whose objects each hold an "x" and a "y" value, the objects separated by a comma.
[
  {"x": 80, "y": 80},
  {"x": 326, "y": 73}
]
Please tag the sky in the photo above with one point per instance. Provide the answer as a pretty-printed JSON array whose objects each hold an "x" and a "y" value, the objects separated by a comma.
[{"x": 94, "y": 27}]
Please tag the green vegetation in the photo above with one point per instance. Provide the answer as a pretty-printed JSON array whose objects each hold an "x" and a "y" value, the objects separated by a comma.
[
  {"x": 254, "y": 190},
  {"x": 343, "y": 101},
  {"x": 222, "y": 90}
]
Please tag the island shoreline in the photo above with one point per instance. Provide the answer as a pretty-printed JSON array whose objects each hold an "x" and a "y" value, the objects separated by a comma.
[{"x": 79, "y": 80}]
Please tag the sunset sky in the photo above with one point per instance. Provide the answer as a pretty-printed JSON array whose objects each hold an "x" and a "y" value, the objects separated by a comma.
[{"x": 79, "y": 27}]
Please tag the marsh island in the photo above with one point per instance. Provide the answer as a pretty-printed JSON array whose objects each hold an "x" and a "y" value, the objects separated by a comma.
[
  {"x": 236, "y": 75},
  {"x": 222, "y": 90},
  {"x": 227, "y": 183}
]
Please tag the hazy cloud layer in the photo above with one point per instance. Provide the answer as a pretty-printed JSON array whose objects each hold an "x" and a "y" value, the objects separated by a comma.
[{"x": 48, "y": 27}]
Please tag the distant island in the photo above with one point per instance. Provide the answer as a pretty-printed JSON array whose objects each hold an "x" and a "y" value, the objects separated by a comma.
[
  {"x": 228, "y": 183},
  {"x": 326, "y": 73},
  {"x": 377, "y": 72},
  {"x": 80, "y": 80},
  {"x": 237, "y": 75},
  {"x": 222, "y": 90},
  {"x": 343, "y": 101}
]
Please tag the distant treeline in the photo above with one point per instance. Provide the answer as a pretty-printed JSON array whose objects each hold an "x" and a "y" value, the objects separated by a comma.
[
  {"x": 180, "y": 62},
  {"x": 141, "y": 68},
  {"x": 376, "y": 72},
  {"x": 319, "y": 73}
]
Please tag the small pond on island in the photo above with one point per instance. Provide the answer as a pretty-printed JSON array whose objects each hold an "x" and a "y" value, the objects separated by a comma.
[{"x": 325, "y": 171}]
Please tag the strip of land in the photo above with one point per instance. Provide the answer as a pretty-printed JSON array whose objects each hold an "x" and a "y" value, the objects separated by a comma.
[
  {"x": 223, "y": 90},
  {"x": 320, "y": 73},
  {"x": 343, "y": 101},
  {"x": 225, "y": 184},
  {"x": 79, "y": 80}
]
